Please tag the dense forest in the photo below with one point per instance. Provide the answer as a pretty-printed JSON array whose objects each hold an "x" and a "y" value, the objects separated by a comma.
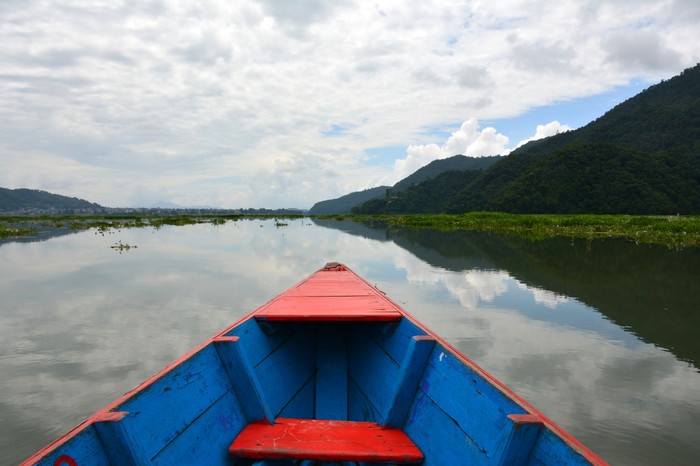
[
  {"x": 344, "y": 204},
  {"x": 430, "y": 196},
  {"x": 641, "y": 157}
]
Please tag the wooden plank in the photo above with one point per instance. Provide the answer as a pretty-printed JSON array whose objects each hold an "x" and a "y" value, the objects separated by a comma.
[
  {"x": 121, "y": 445},
  {"x": 373, "y": 370},
  {"x": 518, "y": 439},
  {"x": 360, "y": 408},
  {"x": 393, "y": 337},
  {"x": 284, "y": 372},
  {"x": 329, "y": 308},
  {"x": 162, "y": 410},
  {"x": 552, "y": 449},
  {"x": 472, "y": 403},
  {"x": 302, "y": 404},
  {"x": 325, "y": 440},
  {"x": 406, "y": 384},
  {"x": 206, "y": 441},
  {"x": 259, "y": 344},
  {"x": 440, "y": 438},
  {"x": 331, "y": 374},
  {"x": 243, "y": 379},
  {"x": 330, "y": 296},
  {"x": 325, "y": 285},
  {"x": 83, "y": 448}
]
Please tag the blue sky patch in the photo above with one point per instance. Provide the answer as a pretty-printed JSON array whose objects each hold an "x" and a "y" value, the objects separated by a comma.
[
  {"x": 575, "y": 113},
  {"x": 384, "y": 155},
  {"x": 334, "y": 130}
]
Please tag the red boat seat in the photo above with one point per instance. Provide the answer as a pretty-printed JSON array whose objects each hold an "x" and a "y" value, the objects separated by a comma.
[
  {"x": 335, "y": 295},
  {"x": 323, "y": 440}
]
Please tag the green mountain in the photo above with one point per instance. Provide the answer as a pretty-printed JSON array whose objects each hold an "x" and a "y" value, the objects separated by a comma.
[
  {"x": 427, "y": 197},
  {"x": 344, "y": 204},
  {"x": 641, "y": 157},
  {"x": 437, "y": 167},
  {"x": 28, "y": 201},
  {"x": 604, "y": 178}
]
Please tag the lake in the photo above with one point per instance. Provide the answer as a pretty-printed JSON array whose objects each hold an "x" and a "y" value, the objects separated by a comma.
[{"x": 601, "y": 336}]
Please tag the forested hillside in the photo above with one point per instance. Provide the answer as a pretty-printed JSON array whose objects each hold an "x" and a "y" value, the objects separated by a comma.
[
  {"x": 641, "y": 157},
  {"x": 454, "y": 163},
  {"x": 344, "y": 204},
  {"x": 430, "y": 196},
  {"x": 35, "y": 201},
  {"x": 603, "y": 178}
]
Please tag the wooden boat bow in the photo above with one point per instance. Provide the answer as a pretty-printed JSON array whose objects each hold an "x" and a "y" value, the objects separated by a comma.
[{"x": 331, "y": 370}]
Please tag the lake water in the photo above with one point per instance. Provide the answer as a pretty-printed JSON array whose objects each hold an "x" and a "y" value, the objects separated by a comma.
[{"x": 600, "y": 336}]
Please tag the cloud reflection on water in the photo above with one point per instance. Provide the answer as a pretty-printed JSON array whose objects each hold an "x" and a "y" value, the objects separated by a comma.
[
  {"x": 599, "y": 382},
  {"x": 81, "y": 325}
]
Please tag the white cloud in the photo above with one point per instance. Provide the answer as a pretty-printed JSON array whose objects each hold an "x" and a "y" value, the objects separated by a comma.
[
  {"x": 467, "y": 140},
  {"x": 171, "y": 94},
  {"x": 543, "y": 131},
  {"x": 550, "y": 299},
  {"x": 641, "y": 50}
]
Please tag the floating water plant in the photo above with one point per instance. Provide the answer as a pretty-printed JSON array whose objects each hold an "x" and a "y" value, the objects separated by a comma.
[{"x": 122, "y": 246}]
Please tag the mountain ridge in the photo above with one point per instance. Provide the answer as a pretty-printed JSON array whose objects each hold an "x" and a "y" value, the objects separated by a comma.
[
  {"x": 344, "y": 204},
  {"x": 640, "y": 157},
  {"x": 25, "y": 200}
]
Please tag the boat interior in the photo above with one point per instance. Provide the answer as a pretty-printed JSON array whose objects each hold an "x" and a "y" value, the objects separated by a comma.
[
  {"x": 383, "y": 392},
  {"x": 330, "y": 372}
]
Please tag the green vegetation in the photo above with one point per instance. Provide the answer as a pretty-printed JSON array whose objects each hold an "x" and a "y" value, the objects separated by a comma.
[
  {"x": 600, "y": 179},
  {"x": 673, "y": 231},
  {"x": 676, "y": 231},
  {"x": 34, "y": 200},
  {"x": 7, "y": 231},
  {"x": 430, "y": 172},
  {"x": 119, "y": 246},
  {"x": 642, "y": 157},
  {"x": 431, "y": 196},
  {"x": 30, "y": 225},
  {"x": 344, "y": 204}
]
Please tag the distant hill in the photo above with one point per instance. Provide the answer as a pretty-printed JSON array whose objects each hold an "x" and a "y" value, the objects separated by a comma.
[
  {"x": 430, "y": 196},
  {"x": 641, "y": 157},
  {"x": 344, "y": 204},
  {"x": 436, "y": 167},
  {"x": 28, "y": 201}
]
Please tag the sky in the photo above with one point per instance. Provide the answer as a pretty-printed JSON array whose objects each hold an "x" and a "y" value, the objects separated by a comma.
[{"x": 276, "y": 103}]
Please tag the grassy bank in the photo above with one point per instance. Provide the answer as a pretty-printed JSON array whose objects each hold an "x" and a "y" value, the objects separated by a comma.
[
  {"x": 32, "y": 225},
  {"x": 672, "y": 231}
]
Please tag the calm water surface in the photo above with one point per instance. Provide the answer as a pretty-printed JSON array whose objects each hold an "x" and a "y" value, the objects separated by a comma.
[{"x": 599, "y": 336}]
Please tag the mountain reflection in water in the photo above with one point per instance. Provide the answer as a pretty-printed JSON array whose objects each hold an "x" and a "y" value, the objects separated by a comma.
[
  {"x": 650, "y": 290},
  {"x": 598, "y": 336}
]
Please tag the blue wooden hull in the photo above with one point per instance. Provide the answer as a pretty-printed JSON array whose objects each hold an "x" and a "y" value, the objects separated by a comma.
[{"x": 342, "y": 365}]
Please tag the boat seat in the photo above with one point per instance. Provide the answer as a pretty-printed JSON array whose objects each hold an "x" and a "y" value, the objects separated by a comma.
[
  {"x": 325, "y": 440},
  {"x": 335, "y": 295}
]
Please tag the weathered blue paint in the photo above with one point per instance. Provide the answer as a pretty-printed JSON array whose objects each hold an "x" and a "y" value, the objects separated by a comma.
[
  {"x": 331, "y": 388},
  {"x": 243, "y": 379},
  {"x": 84, "y": 448},
  {"x": 393, "y": 373},
  {"x": 406, "y": 383}
]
